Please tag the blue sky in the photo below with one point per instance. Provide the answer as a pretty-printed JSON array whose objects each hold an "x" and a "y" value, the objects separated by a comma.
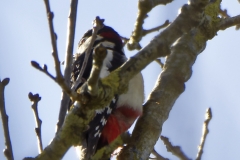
[{"x": 214, "y": 83}]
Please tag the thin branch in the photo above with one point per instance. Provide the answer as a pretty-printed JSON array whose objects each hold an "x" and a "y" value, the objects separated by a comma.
[
  {"x": 53, "y": 35},
  {"x": 175, "y": 150},
  {"x": 158, "y": 156},
  {"x": 43, "y": 69},
  {"x": 99, "y": 54},
  {"x": 145, "y": 32},
  {"x": 62, "y": 83},
  {"x": 228, "y": 22},
  {"x": 144, "y": 6},
  {"x": 98, "y": 24},
  {"x": 68, "y": 60},
  {"x": 205, "y": 133},
  {"x": 224, "y": 14},
  {"x": 8, "y": 152},
  {"x": 59, "y": 78},
  {"x": 35, "y": 99}
]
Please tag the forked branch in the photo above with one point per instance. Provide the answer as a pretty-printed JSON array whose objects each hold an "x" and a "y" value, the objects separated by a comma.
[
  {"x": 68, "y": 61},
  {"x": 53, "y": 35},
  {"x": 144, "y": 33},
  {"x": 144, "y": 6}
]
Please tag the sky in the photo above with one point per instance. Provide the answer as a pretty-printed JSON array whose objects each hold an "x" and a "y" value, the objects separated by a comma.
[{"x": 214, "y": 83}]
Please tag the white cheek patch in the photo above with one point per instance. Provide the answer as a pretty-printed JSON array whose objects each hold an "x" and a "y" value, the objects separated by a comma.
[{"x": 108, "y": 44}]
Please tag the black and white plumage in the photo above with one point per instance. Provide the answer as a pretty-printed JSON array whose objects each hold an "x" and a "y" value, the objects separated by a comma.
[{"x": 119, "y": 115}]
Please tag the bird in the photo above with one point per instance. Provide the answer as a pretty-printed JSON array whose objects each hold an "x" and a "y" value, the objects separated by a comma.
[{"x": 117, "y": 117}]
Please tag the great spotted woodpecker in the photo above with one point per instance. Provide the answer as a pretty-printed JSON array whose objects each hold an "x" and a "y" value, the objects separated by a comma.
[{"x": 119, "y": 115}]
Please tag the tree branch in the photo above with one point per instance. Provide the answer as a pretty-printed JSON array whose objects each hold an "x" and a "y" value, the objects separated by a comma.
[
  {"x": 205, "y": 133},
  {"x": 98, "y": 55},
  {"x": 98, "y": 24},
  {"x": 145, "y": 32},
  {"x": 228, "y": 22},
  {"x": 170, "y": 85},
  {"x": 144, "y": 6},
  {"x": 68, "y": 60},
  {"x": 59, "y": 78},
  {"x": 159, "y": 46},
  {"x": 53, "y": 35},
  {"x": 8, "y": 152},
  {"x": 62, "y": 83},
  {"x": 35, "y": 99},
  {"x": 175, "y": 150},
  {"x": 80, "y": 115}
]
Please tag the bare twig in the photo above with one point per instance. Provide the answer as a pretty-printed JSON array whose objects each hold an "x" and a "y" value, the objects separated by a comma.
[
  {"x": 68, "y": 60},
  {"x": 205, "y": 132},
  {"x": 53, "y": 35},
  {"x": 97, "y": 25},
  {"x": 99, "y": 54},
  {"x": 224, "y": 14},
  {"x": 59, "y": 78},
  {"x": 145, "y": 32},
  {"x": 35, "y": 99},
  {"x": 175, "y": 150},
  {"x": 62, "y": 83},
  {"x": 43, "y": 69},
  {"x": 144, "y": 6},
  {"x": 158, "y": 156},
  {"x": 8, "y": 152}
]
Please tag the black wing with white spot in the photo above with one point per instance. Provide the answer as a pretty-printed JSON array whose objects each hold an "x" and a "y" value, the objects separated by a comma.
[{"x": 96, "y": 126}]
